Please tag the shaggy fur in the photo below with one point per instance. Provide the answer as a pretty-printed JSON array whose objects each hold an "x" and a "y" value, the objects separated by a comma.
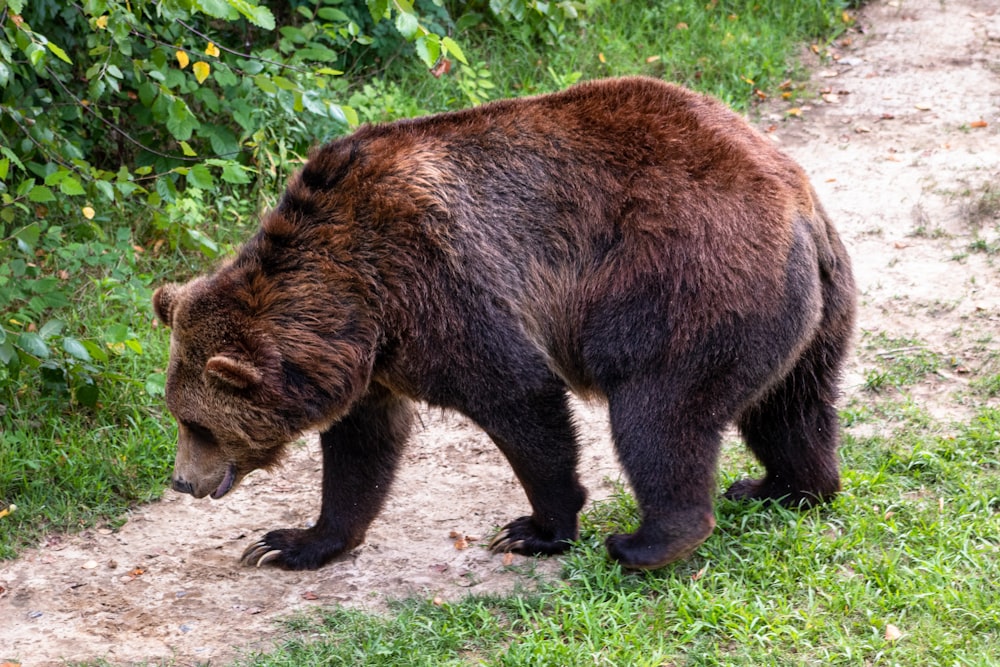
[{"x": 624, "y": 239}]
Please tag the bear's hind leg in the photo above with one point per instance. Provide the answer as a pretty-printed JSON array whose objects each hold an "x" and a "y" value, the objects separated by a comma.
[
  {"x": 360, "y": 455},
  {"x": 794, "y": 431},
  {"x": 668, "y": 449}
]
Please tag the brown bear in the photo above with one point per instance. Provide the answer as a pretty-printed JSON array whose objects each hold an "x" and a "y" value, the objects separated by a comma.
[{"x": 624, "y": 239}]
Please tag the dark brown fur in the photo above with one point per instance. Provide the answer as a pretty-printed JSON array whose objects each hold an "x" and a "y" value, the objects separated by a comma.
[{"x": 625, "y": 239}]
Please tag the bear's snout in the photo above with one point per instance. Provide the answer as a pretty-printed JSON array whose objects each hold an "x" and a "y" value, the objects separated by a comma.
[{"x": 182, "y": 486}]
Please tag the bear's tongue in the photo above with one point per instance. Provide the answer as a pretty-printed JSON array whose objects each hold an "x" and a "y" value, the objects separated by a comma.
[{"x": 226, "y": 484}]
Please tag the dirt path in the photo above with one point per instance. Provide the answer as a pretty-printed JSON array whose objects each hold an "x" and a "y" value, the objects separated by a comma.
[{"x": 894, "y": 145}]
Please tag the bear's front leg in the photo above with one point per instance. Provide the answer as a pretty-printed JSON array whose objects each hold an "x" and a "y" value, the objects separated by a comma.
[
  {"x": 534, "y": 431},
  {"x": 360, "y": 455}
]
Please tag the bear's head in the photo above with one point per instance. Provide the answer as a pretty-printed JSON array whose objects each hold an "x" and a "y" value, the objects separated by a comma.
[{"x": 252, "y": 366}]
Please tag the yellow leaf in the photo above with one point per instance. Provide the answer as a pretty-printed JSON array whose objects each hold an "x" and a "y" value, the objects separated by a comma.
[
  {"x": 600, "y": 56},
  {"x": 102, "y": 22},
  {"x": 182, "y": 58},
  {"x": 201, "y": 70},
  {"x": 212, "y": 50},
  {"x": 89, "y": 212},
  {"x": 794, "y": 111},
  {"x": 185, "y": 146}
]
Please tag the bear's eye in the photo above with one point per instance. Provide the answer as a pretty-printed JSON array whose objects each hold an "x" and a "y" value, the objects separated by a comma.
[{"x": 200, "y": 432}]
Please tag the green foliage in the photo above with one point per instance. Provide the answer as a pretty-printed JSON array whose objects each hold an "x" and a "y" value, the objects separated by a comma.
[{"x": 110, "y": 136}]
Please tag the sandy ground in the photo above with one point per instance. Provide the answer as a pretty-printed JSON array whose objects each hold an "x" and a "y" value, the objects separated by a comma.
[{"x": 893, "y": 138}]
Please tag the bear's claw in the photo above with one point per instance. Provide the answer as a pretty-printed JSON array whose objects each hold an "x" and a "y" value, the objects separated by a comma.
[
  {"x": 259, "y": 553},
  {"x": 523, "y": 536},
  {"x": 504, "y": 542}
]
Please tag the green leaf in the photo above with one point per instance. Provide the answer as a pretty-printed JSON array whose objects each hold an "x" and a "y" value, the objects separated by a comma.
[
  {"x": 233, "y": 172},
  {"x": 61, "y": 54},
  {"x": 8, "y": 355},
  {"x": 36, "y": 54},
  {"x": 263, "y": 82},
  {"x": 283, "y": 83},
  {"x": 86, "y": 393},
  {"x": 428, "y": 48},
  {"x": 181, "y": 123},
  {"x": 106, "y": 189},
  {"x": 51, "y": 328},
  {"x": 41, "y": 194},
  {"x": 220, "y": 9},
  {"x": 28, "y": 235},
  {"x": 116, "y": 333},
  {"x": 71, "y": 186},
  {"x": 199, "y": 176},
  {"x": 33, "y": 344},
  {"x": 259, "y": 16},
  {"x": 75, "y": 349},
  {"x": 407, "y": 25},
  {"x": 332, "y": 14},
  {"x": 224, "y": 76},
  {"x": 187, "y": 150},
  {"x": 378, "y": 9},
  {"x": 4, "y": 168},
  {"x": 156, "y": 384},
  {"x": 95, "y": 351},
  {"x": 16, "y": 6},
  {"x": 454, "y": 49}
]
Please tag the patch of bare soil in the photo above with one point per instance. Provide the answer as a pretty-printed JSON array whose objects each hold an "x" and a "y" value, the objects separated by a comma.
[{"x": 900, "y": 139}]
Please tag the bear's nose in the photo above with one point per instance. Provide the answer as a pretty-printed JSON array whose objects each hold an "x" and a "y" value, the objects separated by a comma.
[{"x": 183, "y": 486}]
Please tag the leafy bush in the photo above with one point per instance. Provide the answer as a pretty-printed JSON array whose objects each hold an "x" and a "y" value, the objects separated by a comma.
[{"x": 115, "y": 115}]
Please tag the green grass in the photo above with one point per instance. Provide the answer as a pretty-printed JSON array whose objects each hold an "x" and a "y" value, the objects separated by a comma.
[
  {"x": 730, "y": 49},
  {"x": 913, "y": 542}
]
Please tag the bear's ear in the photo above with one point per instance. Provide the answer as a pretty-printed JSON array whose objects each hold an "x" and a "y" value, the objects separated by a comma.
[
  {"x": 236, "y": 373},
  {"x": 163, "y": 303}
]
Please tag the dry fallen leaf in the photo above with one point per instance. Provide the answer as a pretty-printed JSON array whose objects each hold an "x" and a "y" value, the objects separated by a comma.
[
  {"x": 508, "y": 558},
  {"x": 309, "y": 595},
  {"x": 978, "y": 123},
  {"x": 454, "y": 534},
  {"x": 442, "y": 67},
  {"x": 922, "y": 106},
  {"x": 461, "y": 543},
  {"x": 438, "y": 601},
  {"x": 892, "y": 633},
  {"x": 699, "y": 574}
]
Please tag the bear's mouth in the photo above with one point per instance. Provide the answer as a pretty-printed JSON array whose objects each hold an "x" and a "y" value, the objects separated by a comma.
[{"x": 227, "y": 483}]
